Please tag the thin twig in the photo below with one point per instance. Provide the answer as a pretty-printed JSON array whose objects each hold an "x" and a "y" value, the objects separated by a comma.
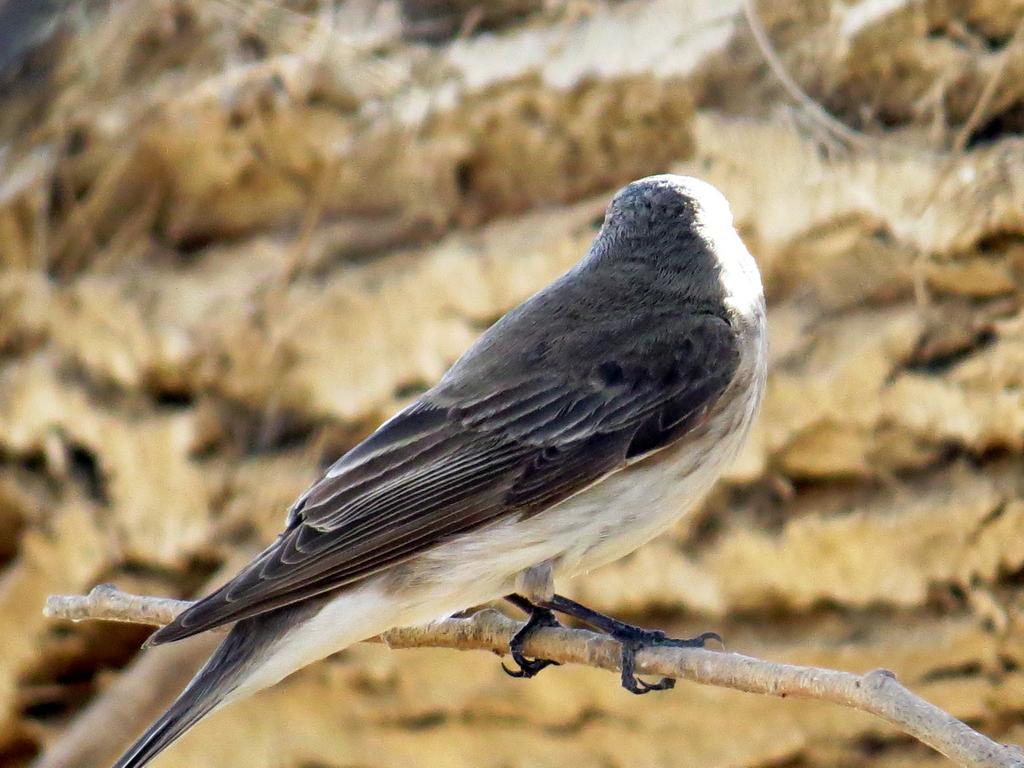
[
  {"x": 978, "y": 113},
  {"x": 988, "y": 92},
  {"x": 108, "y": 603},
  {"x": 817, "y": 112},
  {"x": 877, "y": 692}
]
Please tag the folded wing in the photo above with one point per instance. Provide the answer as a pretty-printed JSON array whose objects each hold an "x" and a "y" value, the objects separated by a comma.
[{"x": 448, "y": 465}]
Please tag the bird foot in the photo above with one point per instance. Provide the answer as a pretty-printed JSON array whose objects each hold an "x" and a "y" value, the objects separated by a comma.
[
  {"x": 527, "y": 668},
  {"x": 630, "y": 637},
  {"x": 633, "y": 639}
]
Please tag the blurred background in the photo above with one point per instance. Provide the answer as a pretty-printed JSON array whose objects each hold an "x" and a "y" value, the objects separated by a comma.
[{"x": 234, "y": 236}]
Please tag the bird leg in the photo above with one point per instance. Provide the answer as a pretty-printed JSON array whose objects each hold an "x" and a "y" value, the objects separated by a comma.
[
  {"x": 539, "y": 617},
  {"x": 534, "y": 586},
  {"x": 631, "y": 638}
]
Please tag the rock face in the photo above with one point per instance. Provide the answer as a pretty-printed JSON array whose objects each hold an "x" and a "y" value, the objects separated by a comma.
[{"x": 233, "y": 239}]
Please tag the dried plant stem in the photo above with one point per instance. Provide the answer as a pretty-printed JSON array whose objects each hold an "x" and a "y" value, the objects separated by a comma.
[
  {"x": 981, "y": 106},
  {"x": 817, "y": 112},
  {"x": 877, "y": 692}
]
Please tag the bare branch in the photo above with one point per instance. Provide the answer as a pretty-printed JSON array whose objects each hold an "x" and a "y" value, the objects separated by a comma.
[
  {"x": 107, "y": 602},
  {"x": 877, "y": 692}
]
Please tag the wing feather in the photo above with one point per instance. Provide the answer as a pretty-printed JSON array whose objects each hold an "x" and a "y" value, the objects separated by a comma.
[{"x": 457, "y": 461}]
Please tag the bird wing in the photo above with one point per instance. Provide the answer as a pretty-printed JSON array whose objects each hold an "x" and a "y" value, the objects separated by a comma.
[{"x": 449, "y": 465}]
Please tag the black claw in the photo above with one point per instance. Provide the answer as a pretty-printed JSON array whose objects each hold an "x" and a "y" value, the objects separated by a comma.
[
  {"x": 527, "y": 667},
  {"x": 632, "y": 642},
  {"x": 701, "y": 640},
  {"x": 633, "y": 639},
  {"x": 539, "y": 617}
]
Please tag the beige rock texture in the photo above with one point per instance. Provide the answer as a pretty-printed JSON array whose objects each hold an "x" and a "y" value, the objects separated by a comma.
[{"x": 235, "y": 236}]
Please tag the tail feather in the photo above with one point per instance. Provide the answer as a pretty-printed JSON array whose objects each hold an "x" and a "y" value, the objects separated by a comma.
[
  {"x": 183, "y": 714},
  {"x": 246, "y": 646},
  {"x": 218, "y": 677}
]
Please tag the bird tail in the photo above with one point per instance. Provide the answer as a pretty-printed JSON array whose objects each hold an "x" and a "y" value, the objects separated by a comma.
[
  {"x": 215, "y": 681},
  {"x": 227, "y": 670},
  {"x": 193, "y": 705}
]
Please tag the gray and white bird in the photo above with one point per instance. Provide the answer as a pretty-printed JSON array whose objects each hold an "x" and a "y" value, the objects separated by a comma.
[{"x": 581, "y": 425}]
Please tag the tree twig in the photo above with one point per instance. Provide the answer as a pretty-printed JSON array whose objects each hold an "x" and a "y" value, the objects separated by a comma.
[
  {"x": 877, "y": 692},
  {"x": 988, "y": 92},
  {"x": 109, "y": 603},
  {"x": 817, "y": 112}
]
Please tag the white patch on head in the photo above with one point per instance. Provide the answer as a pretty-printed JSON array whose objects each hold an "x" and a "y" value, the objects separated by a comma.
[{"x": 741, "y": 279}]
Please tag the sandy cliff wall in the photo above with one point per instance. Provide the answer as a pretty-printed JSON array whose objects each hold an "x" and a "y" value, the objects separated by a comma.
[{"x": 234, "y": 237}]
